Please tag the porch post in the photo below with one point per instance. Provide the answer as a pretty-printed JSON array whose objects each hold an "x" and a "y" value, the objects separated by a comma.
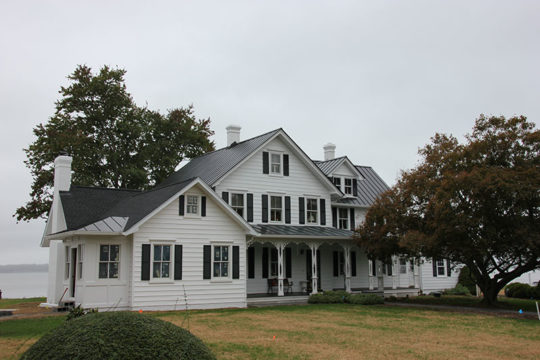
[
  {"x": 347, "y": 254},
  {"x": 314, "y": 275},
  {"x": 280, "y": 246},
  {"x": 416, "y": 272},
  {"x": 395, "y": 272},
  {"x": 380, "y": 276}
]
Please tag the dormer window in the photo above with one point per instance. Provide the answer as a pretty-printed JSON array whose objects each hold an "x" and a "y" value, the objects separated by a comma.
[
  {"x": 348, "y": 189},
  {"x": 337, "y": 182},
  {"x": 275, "y": 163}
]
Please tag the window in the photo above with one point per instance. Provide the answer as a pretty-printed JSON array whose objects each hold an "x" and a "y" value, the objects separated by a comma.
[
  {"x": 109, "y": 258},
  {"x": 221, "y": 261},
  {"x": 275, "y": 163},
  {"x": 66, "y": 269},
  {"x": 162, "y": 262},
  {"x": 311, "y": 213},
  {"x": 343, "y": 219},
  {"x": 387, "y": 268},
  {"x": 348, "y": 186},
  {"x": 273, "y": 262},
  {"x": 337, "y": 182},
  {"x": 402, "y": 266},
  {"x": 192, "y": 205},
  {"x": 237, "y": 203},
  {"x": 80, "y": 251},
  {"x": 441, "y": 267},
  {"x": 276, "y": 208}
]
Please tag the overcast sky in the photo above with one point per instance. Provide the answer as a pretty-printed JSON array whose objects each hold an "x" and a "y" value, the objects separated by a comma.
[{"x": 377, "y": 78}]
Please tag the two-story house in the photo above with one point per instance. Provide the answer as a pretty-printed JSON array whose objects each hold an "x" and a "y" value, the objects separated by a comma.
[{"x": 257, "y": 219}]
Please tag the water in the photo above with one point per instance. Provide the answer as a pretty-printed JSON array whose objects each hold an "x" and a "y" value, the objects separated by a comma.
[{"x": 20, "y": 285}]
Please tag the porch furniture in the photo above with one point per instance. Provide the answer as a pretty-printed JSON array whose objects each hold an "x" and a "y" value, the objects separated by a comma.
[
  {"x": 272, "y": 286},
  {"x": 287, "y": 286}
]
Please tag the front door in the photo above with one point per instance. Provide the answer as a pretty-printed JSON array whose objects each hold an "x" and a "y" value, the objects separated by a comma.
[{"x": 73, "y": 270}]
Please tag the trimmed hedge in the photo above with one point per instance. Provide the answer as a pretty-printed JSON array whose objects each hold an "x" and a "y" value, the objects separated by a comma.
[
  {"x": 340, "y": 297},
  {"x": 118, "y": 335},
  {"x": 366, "y": 299},
  {"x": 522, "y": 291}
]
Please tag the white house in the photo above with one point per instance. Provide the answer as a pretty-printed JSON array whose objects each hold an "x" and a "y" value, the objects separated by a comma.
[{"x": 256, "y": 219}]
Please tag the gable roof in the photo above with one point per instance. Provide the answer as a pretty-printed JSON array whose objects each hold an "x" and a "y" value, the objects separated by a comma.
[{"x": 329, "y": 166}]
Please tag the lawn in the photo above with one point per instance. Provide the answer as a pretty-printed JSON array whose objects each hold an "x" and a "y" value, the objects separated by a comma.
[
  {"x": 338, "y": 331},
  {"x": 472, "y": 301}
]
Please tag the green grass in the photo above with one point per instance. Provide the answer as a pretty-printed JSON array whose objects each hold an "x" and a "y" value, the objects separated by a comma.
[
  {"x": 471, "y": 301},
  {"x": 29, "y": 328},
  {"x": 9, "y": 303}
]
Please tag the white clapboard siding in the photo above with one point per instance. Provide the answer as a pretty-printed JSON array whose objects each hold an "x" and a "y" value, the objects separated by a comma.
[
  {"x": 344, "y": 170},
  {"x": 431, "y": 283},
  {"x": 301, "y": 182},
  {"x": 217, "y": 227}
]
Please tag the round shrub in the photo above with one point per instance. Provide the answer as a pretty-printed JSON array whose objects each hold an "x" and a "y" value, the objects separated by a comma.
[
  {"x": 118, "y": 335},
  {"x": 458, "y": 290},
  {"x": 519, "y": 290}
]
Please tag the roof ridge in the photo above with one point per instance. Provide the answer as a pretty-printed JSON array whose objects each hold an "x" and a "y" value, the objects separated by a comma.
[
  {"x": 334, "y": 159},
  {"x": 156, "y": 188},
  {"x": 105, "y": 188}
]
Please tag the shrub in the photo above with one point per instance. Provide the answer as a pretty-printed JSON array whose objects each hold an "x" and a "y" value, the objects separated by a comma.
[
  {"x": 391, "y": 299},
  {"x": 519, "y": 290},
  {"x": 118, "y": 335},
  {"x": 366, "y": 299},
  {"x": 78, "y": 312},
  {"x": 466, "y": 279},
  {"x": 458, "y": 290},
  {"x": 329, "y": 297}
]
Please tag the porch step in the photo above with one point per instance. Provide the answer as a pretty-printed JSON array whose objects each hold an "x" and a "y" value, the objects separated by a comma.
[
  {"x": 65, "y": 306},
  {"x": 277, "y": 300}
]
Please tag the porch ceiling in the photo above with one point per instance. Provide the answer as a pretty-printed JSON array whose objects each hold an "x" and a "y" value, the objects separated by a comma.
[{"x": 302, "y": 231}]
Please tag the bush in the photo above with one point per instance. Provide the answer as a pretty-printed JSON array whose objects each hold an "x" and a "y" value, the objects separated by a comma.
[
  {"x": 78, "y": 312},
  {"x": 329, "y": 297},
  {"x": 466, "y": 279},
  {"x": 366, "y": 299},
  {"x": 519, "y": 290},
  {"x": 391, "y": 299},
  {"x": 118, "y": 335},
  {"x": 458, "y": 290}
]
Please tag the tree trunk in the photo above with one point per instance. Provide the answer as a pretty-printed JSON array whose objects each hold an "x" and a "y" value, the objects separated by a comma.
[{"x": 490, "y": 289}]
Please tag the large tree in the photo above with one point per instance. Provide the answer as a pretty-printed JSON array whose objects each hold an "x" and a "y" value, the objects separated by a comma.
[
  {"x": 475, "y": 203},
  {"x": 113, "y": 142}
]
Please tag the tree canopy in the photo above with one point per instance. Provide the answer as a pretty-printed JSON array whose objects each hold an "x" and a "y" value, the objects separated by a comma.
[
  {"x": 475, "y": 203},
  {"x": 113, "y": 142}
]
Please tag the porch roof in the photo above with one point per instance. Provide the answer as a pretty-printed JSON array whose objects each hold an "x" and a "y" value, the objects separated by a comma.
[{"x": 301, "y": 231}]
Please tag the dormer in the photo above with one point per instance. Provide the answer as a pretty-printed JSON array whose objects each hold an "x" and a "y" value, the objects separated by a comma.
[{"x": 341, "y": 171}]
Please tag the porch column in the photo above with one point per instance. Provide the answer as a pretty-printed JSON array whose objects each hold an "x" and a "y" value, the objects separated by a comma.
[
  {"x": 280, "y": 247},
  {"x": 314, "y": 275},
  {"x": 395, "y": 272},
  {"x": 347, "y": 254},
  {"x": 380, "y": 276},
  {"x": 371, "y": 276},
  {"x": 416, "y": 272}
]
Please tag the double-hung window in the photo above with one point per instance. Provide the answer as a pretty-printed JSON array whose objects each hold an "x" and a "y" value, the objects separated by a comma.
[
  {"x": 402, "y": 265},
  {"x": 441, "y": 268},
  {"x": 343, "y": 218},
  {"x": 162, "y": 262},
  {"x": 276, "y": 208},
  {"x": 337, "y": 182},
  {"x": 221, "y": 261},
  {"x": 312, "y": 211},
  {"x": 109, "y": 261},
  {"x": 348, "y": 186},
  {"x": 237, "y": 203},
  {"x": 192, "y": 205},
  {"x": 275, "y": 163}
]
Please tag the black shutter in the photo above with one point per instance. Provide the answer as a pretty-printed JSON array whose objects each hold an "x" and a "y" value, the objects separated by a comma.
[
  {"x": 354, "y": 187},
  {"x": 181, "y": 205},
  {"x": 266, "y": 166},
  {"x": 301, "y": 213},
  {"x": 207, "y": 261},
  {"x": 236, "y": 262},
  {"x": 448, "y": 269},
  {"x": 323, "y": 211},
  {"x": 434, "y": 267},
  {"x": 265, "y": 263},
  {"x": 351, "y": 214},
  {"x": 308, "y": 265},
  {"x": 353, "y": 263},
  {"x": 250, "y": 207},
  {"x": 390, "y": 268},
  {"x": 287, "y": 209},
  {"x": 374, "y": 267},
  {"x": 334, "y": 217},
  {"x": 203, "y": 205},
  {"x": 288, "y": 263},
  {"x": 336, "y": 263},
  {"x": 225, "y": 196},
  {"x": 145, "y": 262},
  {"x": 251, "y": 262},
  {"x": 265, "y": 208},
  {"x": 285, "y": 165},
  {"x": 177, "y": 262}
]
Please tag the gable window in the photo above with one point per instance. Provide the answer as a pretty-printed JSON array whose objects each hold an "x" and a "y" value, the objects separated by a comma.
[
  {"x": 312, "y": 211},
  {"x": 221, "y": 261},
  {"x": 237, "y": 203},
  {"x": 161, "y": 267},
  {"x": 275, "y": 163},
  {"x": 109, "y": 260},
  {"x": 192, "y": 205},
  {"x": 343, "y": 219},
  {"x": 441, "y": 267},
  {"x": 276, "y": 208},
  {"x": 402, "y": 266},
  {"x": 348, "y": 186}
]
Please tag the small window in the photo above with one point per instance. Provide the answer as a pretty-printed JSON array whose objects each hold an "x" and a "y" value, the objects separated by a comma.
[
  {"x": 312, "y": 211},
  {"x": 66, "y": 269},
  {"x": 441, "y": 268},
  {"x": 337, "y": 182},
  {"x": 162, "y": 262},
  {"x": 276, "y": 208},
  {"x": 343, "y": 218},
  {"x": 192, "y": 205},
  {"x": 237, "y": 203},
  {"x": 273, "y": 262},
  {"x": 221, "y": 261},
  {"x": 275, "y": 163},
  {"x": 348, "y": 187},
  {"x": 109, "y": 259},
  {"x": 80, "y": 253},
  {"x": 402, "y": 266}
]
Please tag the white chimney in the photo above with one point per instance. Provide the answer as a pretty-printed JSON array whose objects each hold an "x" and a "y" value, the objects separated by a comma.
[
  {"x": 329, "y": 151},
  {"x": 62, "y": 173},
  {"x": 233, "y": 134}
]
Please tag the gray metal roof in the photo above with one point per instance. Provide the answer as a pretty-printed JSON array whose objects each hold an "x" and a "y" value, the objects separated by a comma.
[
  {"x": 303, "y": 231},
  {"x": 212, "y": 166},
  {"x": 328, "y": 166}
]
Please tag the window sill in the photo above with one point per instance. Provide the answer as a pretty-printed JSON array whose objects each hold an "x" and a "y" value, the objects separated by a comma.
[
  {"x": 221, "y": 281},
  {"x": 161, "y": 281}
]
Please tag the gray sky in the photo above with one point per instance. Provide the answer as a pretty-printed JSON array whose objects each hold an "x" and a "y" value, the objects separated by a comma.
[{"x": 376, "y": 78}]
